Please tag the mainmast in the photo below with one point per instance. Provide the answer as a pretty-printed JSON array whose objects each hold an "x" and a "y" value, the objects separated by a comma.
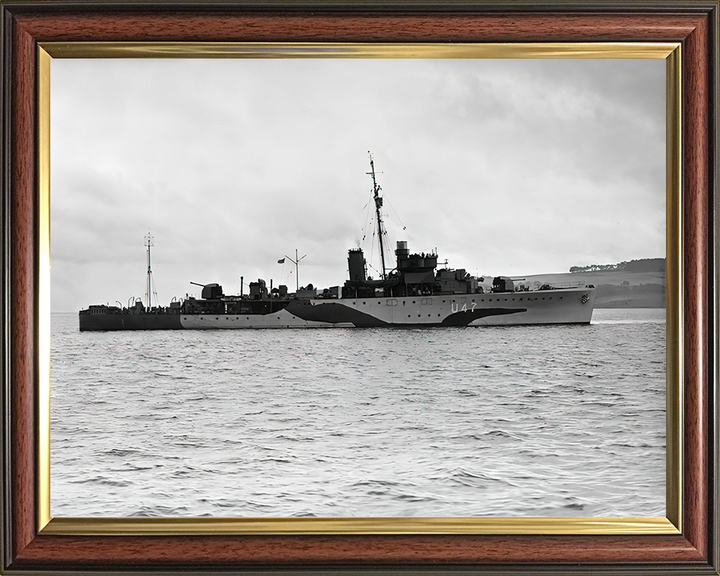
[
  {"x": 148, "y": 294},
  {"x": 378, "y": 205}
]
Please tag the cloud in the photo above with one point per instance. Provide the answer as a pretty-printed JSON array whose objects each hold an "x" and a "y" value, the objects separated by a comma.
[{"x": 513, "y": 167}]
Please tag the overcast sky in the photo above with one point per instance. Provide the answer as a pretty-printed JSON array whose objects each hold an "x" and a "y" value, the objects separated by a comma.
[{"x": 508, "y": 167}]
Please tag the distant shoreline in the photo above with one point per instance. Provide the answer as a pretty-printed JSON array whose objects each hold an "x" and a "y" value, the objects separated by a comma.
[{"x": 615, "y": 288}]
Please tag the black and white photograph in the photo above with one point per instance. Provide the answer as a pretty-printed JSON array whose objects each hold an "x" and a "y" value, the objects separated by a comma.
[{"x": 362, "y": 287}]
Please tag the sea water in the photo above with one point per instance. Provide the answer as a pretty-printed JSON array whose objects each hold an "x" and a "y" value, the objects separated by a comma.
[{"x": 487, "y": 421}]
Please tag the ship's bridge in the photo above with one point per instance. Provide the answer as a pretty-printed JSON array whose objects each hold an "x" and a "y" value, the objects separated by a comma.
[{"x": 415, "y": 268}]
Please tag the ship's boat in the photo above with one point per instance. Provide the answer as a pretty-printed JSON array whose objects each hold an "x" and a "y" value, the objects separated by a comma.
[{"x": 413, "y": 293}]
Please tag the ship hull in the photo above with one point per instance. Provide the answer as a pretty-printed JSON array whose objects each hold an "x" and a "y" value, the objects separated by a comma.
[
  {"x": 141, "y": 321},
  {"x": 561, "y": 306}
]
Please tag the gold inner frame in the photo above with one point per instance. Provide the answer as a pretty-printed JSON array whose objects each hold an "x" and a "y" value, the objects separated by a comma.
[{"x": 670, "y": 524}]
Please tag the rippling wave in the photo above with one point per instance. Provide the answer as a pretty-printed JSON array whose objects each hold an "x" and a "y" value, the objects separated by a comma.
[{"x": 504, "y": 421}]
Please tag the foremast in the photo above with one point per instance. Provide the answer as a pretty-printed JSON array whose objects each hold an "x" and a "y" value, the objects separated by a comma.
[{"x": 378, "y": 204}]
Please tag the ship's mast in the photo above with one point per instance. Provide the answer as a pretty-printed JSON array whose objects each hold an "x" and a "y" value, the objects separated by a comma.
[
  {"x": 378, "y": 205},
  {"x": 148, "y": 294},
  {"x": 297, "y": 269}
]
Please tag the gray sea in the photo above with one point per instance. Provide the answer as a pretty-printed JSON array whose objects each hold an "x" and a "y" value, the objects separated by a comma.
[{"x": 488, "y": 421}]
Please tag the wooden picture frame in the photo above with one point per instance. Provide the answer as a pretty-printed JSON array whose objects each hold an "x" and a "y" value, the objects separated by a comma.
[{"x": 687, "y": 542}]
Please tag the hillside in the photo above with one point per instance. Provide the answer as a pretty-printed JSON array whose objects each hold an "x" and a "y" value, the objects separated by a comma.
[{"x": 615, "y": 288}]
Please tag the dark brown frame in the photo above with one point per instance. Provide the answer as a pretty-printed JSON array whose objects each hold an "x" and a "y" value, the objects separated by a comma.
[{"x": 694, "y": 24}]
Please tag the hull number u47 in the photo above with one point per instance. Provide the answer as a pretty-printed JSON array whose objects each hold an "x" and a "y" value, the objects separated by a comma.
[{"x": 464, "y": 308}]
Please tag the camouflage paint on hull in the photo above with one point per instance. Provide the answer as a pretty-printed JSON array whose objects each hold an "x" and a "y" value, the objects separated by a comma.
[{"x": 561, "y": 306}]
